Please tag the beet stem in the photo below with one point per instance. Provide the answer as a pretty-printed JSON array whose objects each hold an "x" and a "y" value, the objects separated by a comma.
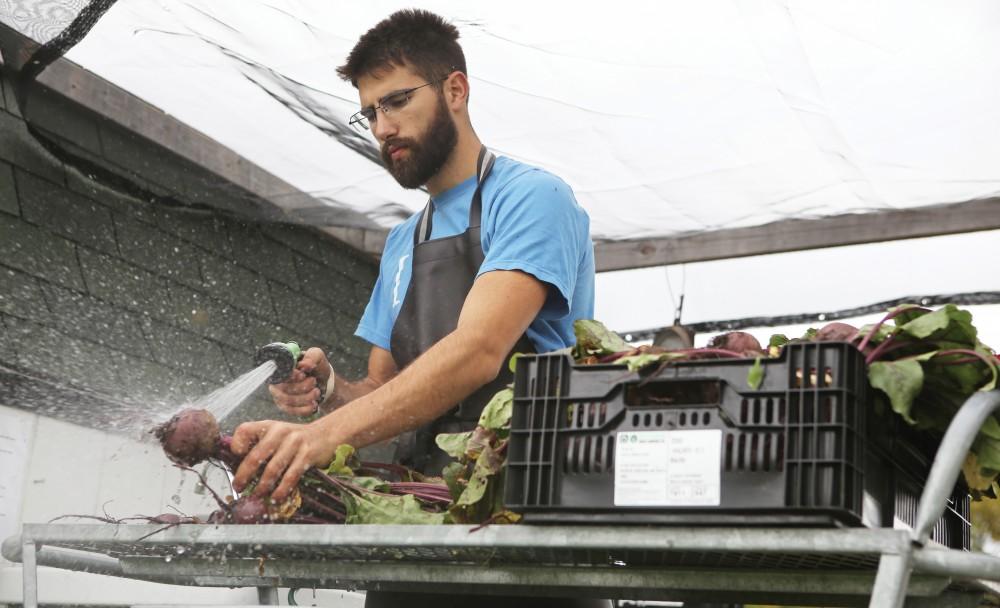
[
  {"x": 321, "y": 509},
  {"x": 204, "y": 482},
  {"x": 892, "y": 315},
  {"x": 618, "y": 355},
  {"x": 398, "y": 469},
  {"x": 325, "y": 497},
  {"x": 878, "y": 350},
  {"x": 967, "y": 351}
]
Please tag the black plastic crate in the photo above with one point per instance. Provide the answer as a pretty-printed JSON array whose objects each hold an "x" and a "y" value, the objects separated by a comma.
[{"x": 807, "y": 447}]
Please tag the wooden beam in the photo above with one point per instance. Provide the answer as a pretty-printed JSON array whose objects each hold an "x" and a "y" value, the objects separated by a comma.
[
  {"x": 801, "y": 234},
  {"x": 777, "y": 237},
  {"x": 363, "y": 239}
]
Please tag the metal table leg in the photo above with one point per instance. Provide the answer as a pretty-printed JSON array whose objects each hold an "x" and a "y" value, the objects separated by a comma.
[
  {"x": 29, "y": 574},
  {"x": 266, "y": 596},
  {"x": 892, "y": 580}
]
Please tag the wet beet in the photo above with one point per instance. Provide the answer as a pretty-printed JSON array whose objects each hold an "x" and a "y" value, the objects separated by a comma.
[
  {"x": 738, "y": 342},
  {"x": 836, "y": 332},
  {"x": 249, "y": 510},
  {"x": 190, "y": 437}
]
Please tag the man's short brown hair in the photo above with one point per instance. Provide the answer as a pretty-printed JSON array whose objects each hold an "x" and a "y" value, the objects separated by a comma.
[{"x": 410, "y": 37}]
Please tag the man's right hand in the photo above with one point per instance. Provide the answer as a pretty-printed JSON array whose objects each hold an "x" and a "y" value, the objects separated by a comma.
[{"x": 299, "y": 396}]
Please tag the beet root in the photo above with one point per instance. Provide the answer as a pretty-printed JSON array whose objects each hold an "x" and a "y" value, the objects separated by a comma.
[
  {"x": 738, "y": 341},
  {"x": 190, "y": 437},
  {"x": 836, "y": 332},
  {"x": 249, "y": 510},
  {"x": 166, "y": 518}
]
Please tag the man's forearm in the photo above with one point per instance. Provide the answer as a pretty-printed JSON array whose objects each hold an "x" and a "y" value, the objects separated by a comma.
[
  {"x": 438, "y": 380},
  {"x": 345, "y": 391},
  {"x": 498, "y": 310}
]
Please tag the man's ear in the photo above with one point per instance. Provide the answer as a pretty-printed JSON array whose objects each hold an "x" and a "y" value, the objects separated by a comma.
[{"x": 456, "y": 90}]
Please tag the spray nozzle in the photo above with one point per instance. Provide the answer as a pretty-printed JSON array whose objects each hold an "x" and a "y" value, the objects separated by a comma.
[{"x": 284, "y": 354}]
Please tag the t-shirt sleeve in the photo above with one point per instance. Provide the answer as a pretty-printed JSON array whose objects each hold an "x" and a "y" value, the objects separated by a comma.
[
  {"x": 375, "y": 326},
  {"x": 536, "y": 226}
]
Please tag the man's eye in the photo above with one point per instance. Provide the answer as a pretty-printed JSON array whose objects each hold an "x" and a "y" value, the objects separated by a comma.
[{"x": 395, "y": 102}]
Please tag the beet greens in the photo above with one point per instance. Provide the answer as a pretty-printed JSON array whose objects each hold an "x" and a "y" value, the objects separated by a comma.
[{"x": 924, "y": 363}]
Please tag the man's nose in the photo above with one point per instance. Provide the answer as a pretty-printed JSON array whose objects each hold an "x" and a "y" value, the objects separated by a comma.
[{"x": 384, "y": 127}]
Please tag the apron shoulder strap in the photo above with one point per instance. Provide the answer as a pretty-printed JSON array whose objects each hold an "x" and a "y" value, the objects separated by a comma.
[
  {"x": 423, "y": 230},
  {"x": 484, "y": 165}
]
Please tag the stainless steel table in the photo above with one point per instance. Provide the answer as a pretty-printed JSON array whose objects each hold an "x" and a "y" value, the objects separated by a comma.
[{"x": 881, "y": 568}]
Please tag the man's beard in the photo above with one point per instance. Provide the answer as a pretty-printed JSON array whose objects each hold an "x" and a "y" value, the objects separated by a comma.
[{"x": 424, "y": 158}]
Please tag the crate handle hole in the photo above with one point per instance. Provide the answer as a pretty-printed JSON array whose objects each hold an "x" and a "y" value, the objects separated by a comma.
[{"x": 665, "y": 392}]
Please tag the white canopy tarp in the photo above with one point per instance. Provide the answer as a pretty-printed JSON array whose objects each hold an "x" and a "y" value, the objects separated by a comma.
[{"x": 664, "y": 117}]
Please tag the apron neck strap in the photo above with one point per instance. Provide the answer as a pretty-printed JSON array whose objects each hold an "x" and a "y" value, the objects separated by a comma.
[{"x": 483, "y": 167}]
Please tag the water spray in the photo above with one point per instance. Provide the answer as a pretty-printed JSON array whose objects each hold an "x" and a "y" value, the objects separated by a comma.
[{"x": 273, "y": 364}]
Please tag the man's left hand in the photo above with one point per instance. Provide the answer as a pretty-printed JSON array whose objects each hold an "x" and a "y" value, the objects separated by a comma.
[{"x": 284, "y": 449}]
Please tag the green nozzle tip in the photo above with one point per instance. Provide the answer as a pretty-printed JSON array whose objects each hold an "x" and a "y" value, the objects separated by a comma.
[{"x": 295, "y": 349}]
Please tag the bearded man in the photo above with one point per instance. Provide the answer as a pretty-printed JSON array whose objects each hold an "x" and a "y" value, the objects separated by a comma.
[{"x": 499, "y": 261}]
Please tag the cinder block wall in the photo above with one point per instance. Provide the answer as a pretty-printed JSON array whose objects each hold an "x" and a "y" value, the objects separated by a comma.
[
  {"x": 144, "y": 303},
  {"x": 115, "y": 310}
]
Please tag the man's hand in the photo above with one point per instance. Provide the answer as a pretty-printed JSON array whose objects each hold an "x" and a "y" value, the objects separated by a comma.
[
  {"x": 299, "y": 396},
  {"x": 287, "y": 449}
]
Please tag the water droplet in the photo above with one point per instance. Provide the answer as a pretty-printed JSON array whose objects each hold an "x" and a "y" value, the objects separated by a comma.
[
  {"x": 180, "y": 550},
  {"x": 168, "y": 558},
  {"x": 176, "y": 499}
]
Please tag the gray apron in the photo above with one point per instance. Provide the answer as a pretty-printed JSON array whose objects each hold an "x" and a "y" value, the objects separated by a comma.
[{"x": 443, "y": 272}]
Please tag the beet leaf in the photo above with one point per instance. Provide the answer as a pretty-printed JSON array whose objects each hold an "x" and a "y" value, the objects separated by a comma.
[{"x": 369, "y": 508}]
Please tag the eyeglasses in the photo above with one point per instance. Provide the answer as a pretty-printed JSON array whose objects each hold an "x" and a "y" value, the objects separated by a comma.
[{"x": 393, "y": 102}]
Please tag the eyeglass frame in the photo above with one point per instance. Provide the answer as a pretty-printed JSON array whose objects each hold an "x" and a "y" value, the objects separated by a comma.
[{"x": 360, "y": 122}]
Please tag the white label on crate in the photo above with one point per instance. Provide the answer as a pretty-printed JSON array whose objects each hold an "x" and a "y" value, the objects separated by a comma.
[{"x": 668, "y": 468}]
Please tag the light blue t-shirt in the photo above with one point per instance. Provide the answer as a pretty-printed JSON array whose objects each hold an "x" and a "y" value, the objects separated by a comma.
[{"x": 531, "y": 222}]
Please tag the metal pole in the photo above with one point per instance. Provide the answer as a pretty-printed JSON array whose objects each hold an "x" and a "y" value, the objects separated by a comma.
[
  {"x": 948, "y": 462},
  {"x": 892, "y": 580},
  {"x": 266, "y": 596},
  {"x": 29, "y": 574},
  {"x": 954, "y": 563}
]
